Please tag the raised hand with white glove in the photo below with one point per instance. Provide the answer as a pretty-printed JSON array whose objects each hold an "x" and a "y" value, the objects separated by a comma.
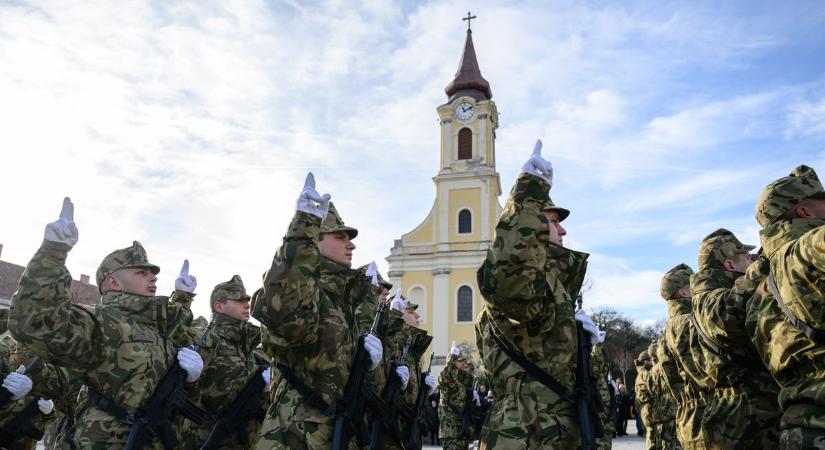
[
  {"x": 191, "y": 362},
  {"x": 429, "y": 380},
  {"x": 310, "y": 201},
  {"x": 596, "y": 335},
  {"x": 403, "y": 373},
  {"x": 185, "y": 282},
  {"x": 18, "y": 384},
  {"x": 454, "y": 350},
  {"x": 375, "y": 348},
  {"x": 539, "y": 166},
  {"x": 267, "y": 376},
  {"x": 398, "y": 303},
  {"x": 45, "y": 406},
  {"x": 63, "y": 230},
  {"x": 476, "y": 398}
]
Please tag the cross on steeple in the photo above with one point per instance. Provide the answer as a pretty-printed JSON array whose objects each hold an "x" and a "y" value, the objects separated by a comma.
[{"x": 468, "y": 19}]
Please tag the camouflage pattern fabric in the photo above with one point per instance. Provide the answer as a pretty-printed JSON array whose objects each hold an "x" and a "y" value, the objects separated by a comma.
[
  {"x": 134, "y": 256},
  {"x": 663, "y": 412},
  {"x": 120, "y": 349},
  {"x": 229, "y": 290},
  {"x": 644, "y": 401},
  {"x": 719, "y": 246},
  {"x": 600, "y": 371},
  {"x": 743, "y": 408},
  {"x": 529, "y": 285},
  {"x": 453, "y": 384},
  {"x": 307, "y": 309},
  {"x": 781, "y": 195},
  {"x": 228, "y": 365}
]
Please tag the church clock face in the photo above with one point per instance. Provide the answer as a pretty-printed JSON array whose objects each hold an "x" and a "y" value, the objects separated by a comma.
[{"x": 464, "y": 111}]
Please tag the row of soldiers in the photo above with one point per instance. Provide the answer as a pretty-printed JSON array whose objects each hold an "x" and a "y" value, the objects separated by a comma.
[
  {"x": 289, "y": 384},
  {"x": 741, "y": 362}
]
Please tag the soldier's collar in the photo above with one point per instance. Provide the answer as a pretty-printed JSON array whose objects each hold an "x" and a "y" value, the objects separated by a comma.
[{"x": 774, "y": 236}]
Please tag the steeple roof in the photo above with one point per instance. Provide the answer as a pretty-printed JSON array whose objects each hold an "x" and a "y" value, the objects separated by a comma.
[{"x": 468, "y": 80}]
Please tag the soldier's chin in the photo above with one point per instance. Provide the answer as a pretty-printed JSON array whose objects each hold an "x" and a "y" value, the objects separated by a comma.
[{"x": 152, "y": 289}]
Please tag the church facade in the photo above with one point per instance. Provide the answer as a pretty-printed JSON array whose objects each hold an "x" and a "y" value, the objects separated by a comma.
[{"x": 435, "y": 264}]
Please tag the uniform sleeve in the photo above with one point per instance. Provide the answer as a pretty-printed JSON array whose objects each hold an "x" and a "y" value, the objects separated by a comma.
[
  {"x": 42, "y": 315},
  {"x": 51, "y": 382},
  {"x": 180, "y": 318},
  {"x": 452, "y": 390},
  {"x": 512, "y": 278},
  {"x": 671, "y": 378},
  {"x": 810, "y": 248},
  {"x": 288, "y": 304}
]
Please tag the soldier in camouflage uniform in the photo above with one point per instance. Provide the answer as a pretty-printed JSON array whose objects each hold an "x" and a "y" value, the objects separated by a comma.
[
  {"x": 663, "y": 413},
  {"x": 455, "y": 382},
  {"x": 229, "y": 365},
  {"x": 643, "y": 398},
  {"x": 600, "y": 371},
  {"x": 742, "y": 412},
  {"x": 682, "y": 359},
  {"x": 529, "y": 281},
  {"x": 121, "y": 349},
  {"x": 789, "y": 329},
  {"x": 307, "y": 308}
]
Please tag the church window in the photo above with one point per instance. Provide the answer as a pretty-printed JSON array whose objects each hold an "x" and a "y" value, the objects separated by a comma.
[
  {"x": 465, "y": 221},
  {"x": 464, "y": 311},
  {"x": 418, "y": 296},
  {"x": 465, "y": 144}
]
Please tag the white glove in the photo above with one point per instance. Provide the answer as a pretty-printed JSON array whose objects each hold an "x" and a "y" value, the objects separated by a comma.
[
  {"x": 267, "y": 376},
  {"x": 18, "y": 384},
  {"x": 191, "y": 362},
  {"x": 539, "y": 166},
  {"x": 310, "y": 201},
  {"x": 398, "y": 303},
  {"x": 374, "y": 347},
  {"x": 403, "y": 372},
  {"x": 63, "y": 230},
  {"x": 45, "y": 406},
  {"x": 186, "y": 282},
  {"x": 372, "y": 273},
  {"x": 429, "y": 380},
  {"x": 454, "y": 350},
  {"x": 590, "y": 327},
  {"x": 476, "y": 398}
]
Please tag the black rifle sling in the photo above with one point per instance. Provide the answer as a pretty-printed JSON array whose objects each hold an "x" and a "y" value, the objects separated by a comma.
[
  {"x": 814, "y": 334},
  {"x": 312, "y": 398},
  {"x": 104, "y": 403},
  {"x": 540, "y": 375}
]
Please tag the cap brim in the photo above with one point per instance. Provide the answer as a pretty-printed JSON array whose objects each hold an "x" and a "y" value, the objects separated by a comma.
[
  {"x": 351, "y": 232},
  {"x": 820, "y": 194},
  {"x": 412, "y": 306},
  {"x": 562, "y": 212},
  {"x": 155, "y": 269},
  {"x": 748, "y": 248}
]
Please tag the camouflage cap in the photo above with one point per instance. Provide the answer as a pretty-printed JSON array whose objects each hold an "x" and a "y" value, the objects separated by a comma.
[
  {"x": 230, "y": 290},
  {"x": 675, "y": 279},
  {"x": 381, "y": 279},
  {"x": 719, "y": 246},
  {"x": 412, "y": 306},
  {"x": 134, "y": 256},
  {"x": 334, "y": 223},
  {"x": 550, "y": 206},
  {"x": 783, "y": 194},
  {"x": 644, "y": 355}
]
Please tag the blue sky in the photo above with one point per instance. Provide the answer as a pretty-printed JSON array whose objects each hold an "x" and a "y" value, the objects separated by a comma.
[{"x": 190, "y": 125}]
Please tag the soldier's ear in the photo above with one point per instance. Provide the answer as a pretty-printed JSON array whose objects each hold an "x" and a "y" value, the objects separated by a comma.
[{"x": 728, "y": 265}]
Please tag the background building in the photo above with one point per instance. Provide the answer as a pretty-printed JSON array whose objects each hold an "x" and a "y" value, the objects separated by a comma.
[
  {"x": 82, "y": 290},
  {"x": 435, "y": 264}
]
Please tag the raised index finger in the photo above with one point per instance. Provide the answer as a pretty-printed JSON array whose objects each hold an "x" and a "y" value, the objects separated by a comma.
[
  {"x": 537, "y": 148},
  {"x": 185, "y": 269},
  {"x": 67, "y": 212},
  {"x": 310, "y": 181}
]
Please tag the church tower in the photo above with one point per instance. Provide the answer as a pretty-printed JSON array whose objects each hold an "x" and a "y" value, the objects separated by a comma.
[{"x": 435, "y": 264}]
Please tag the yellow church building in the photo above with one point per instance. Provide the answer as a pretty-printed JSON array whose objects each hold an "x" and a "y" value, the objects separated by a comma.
[{"x": 435, "y": 264}]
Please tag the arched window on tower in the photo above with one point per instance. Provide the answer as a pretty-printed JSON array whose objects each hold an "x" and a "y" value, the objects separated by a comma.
[
  {"x": 465, "y": 221},
  {"x": 464, "y": 304},
  {"x": 465, "y": 143}
]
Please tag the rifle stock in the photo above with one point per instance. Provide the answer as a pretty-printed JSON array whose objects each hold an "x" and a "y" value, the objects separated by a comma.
[
  {"x": 236, "y": 416},
  {"x": 391, "y": 398},
  {"x": 420, "y": 399}
]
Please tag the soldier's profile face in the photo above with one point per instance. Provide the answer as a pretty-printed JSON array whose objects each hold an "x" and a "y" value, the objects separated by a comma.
[
  {"x": 462, "y": 365},
  {"x": 412, "y": 318},
  {"x": 337, "y": 246},
  {"x": 741, "y": 262},
  {"x": 237, "y": 309},
  {"x": 556, "y": 231},
  {"x": 133, "y": 280}
]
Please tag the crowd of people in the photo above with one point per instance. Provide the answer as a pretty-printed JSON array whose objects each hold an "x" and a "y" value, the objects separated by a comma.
[{"x": 337, "y": 360}]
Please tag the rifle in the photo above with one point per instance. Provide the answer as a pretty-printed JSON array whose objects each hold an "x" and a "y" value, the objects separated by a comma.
[
  {"x": 467, "y": 414},
  {"x": 5, "y": 394},
  {"x": 245, "y": 407},
  {"x": 351, "y": 406},
  {"x": 420, "y": 399},
  {"x": 590, "y": 425},
  {"x": 21, "y": 427},
  {"x": 391, "y": 399},
  {"x": 169, "y": 398}
]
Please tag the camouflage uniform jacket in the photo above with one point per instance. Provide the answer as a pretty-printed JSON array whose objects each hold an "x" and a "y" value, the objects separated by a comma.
[
  {"x": 643, "y": 398},
  {"x": 796, "y": 362},
  {"x": 600, "y": 371},
  {"x": 453, "y": 384},
  {"x": 121, "y": 348},
  {"x": 307, "y": 309},
  {"x": 529, "y": 285},
  {"x": 228, "y": 365},
  {"x": 664, "y": 404}
]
